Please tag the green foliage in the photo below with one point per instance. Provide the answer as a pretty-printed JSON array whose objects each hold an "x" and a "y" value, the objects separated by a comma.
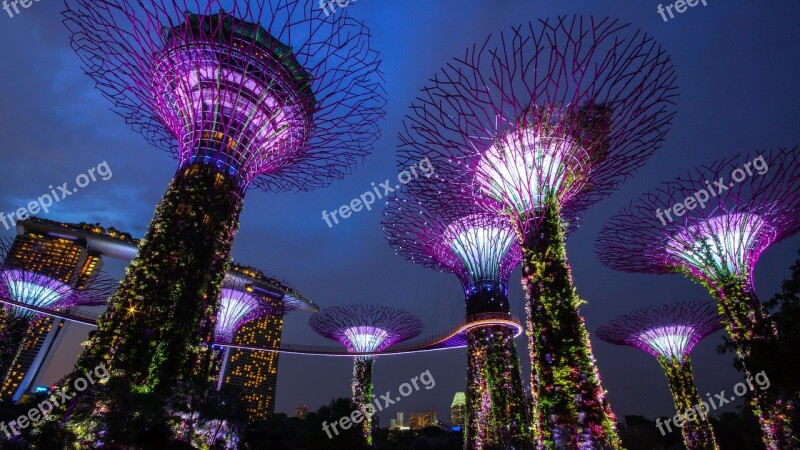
[{"x": 568, "y": 400}]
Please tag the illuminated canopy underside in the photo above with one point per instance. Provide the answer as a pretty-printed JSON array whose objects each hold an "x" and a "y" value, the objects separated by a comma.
[
  {"x": 481, "y": 247},
  {"x": 723, "y": 245},
  {"x": 364, "y": 339},
  {"x": 523, "y": 169},
  {"x": 671, "y": 341},
  {"x": 241, "y": 104},
  {"x": 33, "y": 289},
  {"x": 235, "y": 308}
]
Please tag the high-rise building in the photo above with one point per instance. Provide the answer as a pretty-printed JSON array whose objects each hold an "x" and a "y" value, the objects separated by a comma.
[
  {"x": 58, "y": 256},
  {"x": 301, "y": 412},
  {"x": 458, "y": 409},
  {"x": 420, "y": 420}
]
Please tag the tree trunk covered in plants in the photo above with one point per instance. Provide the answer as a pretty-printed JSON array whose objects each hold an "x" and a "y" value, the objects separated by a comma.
[
  {"x": 494, "y": 367},
  {"x": 569, "y": 403},
  {"x": 697, "y": 431},
  {"x": 362, "y": 393},
  {"x": 751, "y": 334},
  {"x": 159, "y": 323}
]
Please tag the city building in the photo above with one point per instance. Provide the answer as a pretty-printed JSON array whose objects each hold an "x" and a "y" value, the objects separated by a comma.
[
  {"x": 45, "y": 244},
  {"x": 301, "y": 412},
  {"x": 41, "y": 246},
  {"x": 458, "y": 409},
  {"x": 420, "y": 420}
]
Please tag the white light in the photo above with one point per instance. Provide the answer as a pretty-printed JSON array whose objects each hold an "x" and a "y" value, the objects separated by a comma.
[
  {"x": 480, "y": 248},
  {"x": 721, "y": 245},
  {"x": 234, "y": 306},
  {"x": 365, "y": 339},
  {"x": 524, "y": 169},
  {"x": 670, "y": 341}
]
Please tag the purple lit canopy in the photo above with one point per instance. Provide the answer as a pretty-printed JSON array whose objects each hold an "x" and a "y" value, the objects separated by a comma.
[
  {"x": 725, "y": 235},
  {"x": 290, "y": 105},
  {"x": 670, "y": 331},
  {"x": 478, "y": 248},
  {"x": 555, "y": 110},
  {"x": 366, "y": 328},
  {"x": 42, "y": 291}
]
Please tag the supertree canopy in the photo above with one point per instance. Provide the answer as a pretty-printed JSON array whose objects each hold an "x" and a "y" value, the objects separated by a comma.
[
  {"x": 535, "y": 125},
  {"x": 365, "y": 330},
  {"x": 266, "y": 93},
  {"x": 669, "y": 332},
  {"x": 714, "y": 234},
  {"x": 481, "y": 250},
  {"x": 20, "y": 287}
]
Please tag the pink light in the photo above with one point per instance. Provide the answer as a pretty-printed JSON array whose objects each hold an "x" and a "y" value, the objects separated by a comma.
[
  {"x": 724, "y": 245},
  {"x": 365, "y": 339},
  {"x": 524, "y": 168},
  {"x": 235, "y": 309}
]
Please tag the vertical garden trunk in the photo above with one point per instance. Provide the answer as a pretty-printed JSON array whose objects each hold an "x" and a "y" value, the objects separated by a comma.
[
  {"x": 751, "y": 332},
  {"x": 362, "y": 393},
  {"x": 159, "y": 323},
  {"x": 494, "y": 367},
  {"x": 697, "y": 431},
  {"x": 569, "y": 402}
]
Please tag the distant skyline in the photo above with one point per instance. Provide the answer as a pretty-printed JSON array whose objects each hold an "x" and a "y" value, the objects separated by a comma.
[{"x": 737, "y": 78}]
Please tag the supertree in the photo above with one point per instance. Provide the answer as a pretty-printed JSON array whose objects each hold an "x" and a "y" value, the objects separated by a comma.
[
  {"x": 670, "y": 332},
  {"x": 481, "y": 250},
  {"x": 712, "y": 225},
  {"x": 289, "y": 105},
  {"x": 535, "y": 125},
  {"x": 43, "y": 292},
  {"x": 365, "y": 330}
]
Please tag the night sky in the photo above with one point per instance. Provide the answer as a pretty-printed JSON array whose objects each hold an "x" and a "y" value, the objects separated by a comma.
[{"x": 738, "y": 70}]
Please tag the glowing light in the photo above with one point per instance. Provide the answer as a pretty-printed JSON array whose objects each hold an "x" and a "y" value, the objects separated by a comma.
[
  {"x": 524, "y": 169},
  {"x": 365, "y": 339},
  {"x": 724, "y": 245},
  {"x": 672, "y": 341},
  {"x": 33, "y": 289},
  {"x": 480, "y": 247},
  {"x": 235, "y": 308}
]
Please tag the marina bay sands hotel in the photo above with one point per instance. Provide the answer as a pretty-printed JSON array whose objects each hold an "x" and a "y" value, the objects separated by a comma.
[{"x": 59, "y": 249}]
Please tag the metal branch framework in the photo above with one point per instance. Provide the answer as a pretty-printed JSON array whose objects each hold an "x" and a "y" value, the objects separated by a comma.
[
  {"x": 712, "y": 224},
  {"x": 239, "y": 304},
  {"x": 480, "y": 249},
  {"x": 535, "y": 125},
  {"x": 722, "y": 238},
  {"x": 288, "y": 105},
  {"x": 362, "y": 329},
  {"x": 555, "y": 110},
  {"x": 669, "y": 331},
  {"x": 366, "y": 328}
]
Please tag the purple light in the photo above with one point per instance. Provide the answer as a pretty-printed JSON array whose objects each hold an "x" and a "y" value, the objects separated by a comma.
[
  {"x": 235, "y": 309},
  {"x": 671, "y": 341},
  {"x": 728, "y": 244},
  {"x": 365, "y": 339},
  {"x": 33, "y": 289},
  {"x": 669, "y": 331},
  {"x": 254, "y": 120},
  {"x": 365, "y": 328},
  {"x": 481, "y": 245},
  {"x": 524, "y": 168}
]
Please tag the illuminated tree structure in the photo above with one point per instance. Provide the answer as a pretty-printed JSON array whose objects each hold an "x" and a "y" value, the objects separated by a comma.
[
  {"x": 712, "y": 225},
  {"x": 26, "y": 294},
  {"x": 669, "y": 333},
  {"x": 290, "y": 105},
  {"x": 365, "y": 330},
  {"x": 481, "y": 250},
  {"x": 239, "y": 304},
  {"x": 536, "y": 124}
]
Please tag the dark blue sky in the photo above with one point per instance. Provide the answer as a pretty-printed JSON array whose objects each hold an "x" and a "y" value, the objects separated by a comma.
[{"x": 738, "y": 70}]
